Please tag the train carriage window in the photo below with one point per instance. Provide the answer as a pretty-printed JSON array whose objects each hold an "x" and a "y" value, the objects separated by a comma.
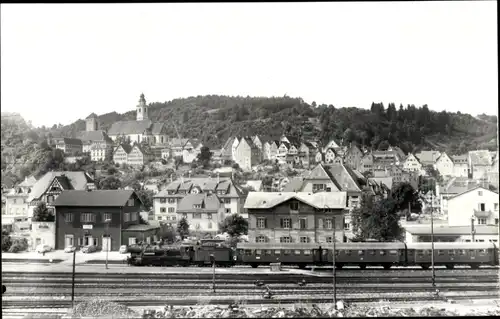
[
  {"x": 462, "y": 252},
  {"x": 440, "y": 252},
  {"x": 451, "y": 252},
  {"x": 348, "y": 252},
  {"x": 267, "y": 252},
  {"x": 324, "y": 252},
  {"x": 296, "y": 252},
  {"x": 277, "y": 252},
  {"x": 248, "y": 252},
  {"x": 482, "y": 251},
  {"x": 307, "y": 252},
  {"x": 336, "y": 252},
  {"x": 287, "y": 252},
  {"x": 420, "y": 252},
  {"x": 360, "y": 252},
  {"x": 258, "y": 252},
  {"x": 382, "y": 253},
  {"x": 372, "y": 252}
]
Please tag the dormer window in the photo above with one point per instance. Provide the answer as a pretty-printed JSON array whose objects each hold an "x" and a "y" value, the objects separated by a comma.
[{"x": 197, "y": 206}]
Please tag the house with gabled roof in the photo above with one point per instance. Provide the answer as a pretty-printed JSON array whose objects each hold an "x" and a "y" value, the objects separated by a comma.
[
  {"x": 227, "y": 149},
  {"x": 120, "y": 153},
  {"x": 331, "y": 144},
  {"x": 460, "y": 165},
  {"x": 111, "y": 218},
  {"x": 247, "y": 154},
  {"x": 478, "y": 203},
  {"x": 191, "y": 150},
  {"x": 353, "y": 156},
  {"x": 16, "y": 201},
  {"x": 444, "y": 165},
  {"x": 202, "y": 211},
  {"x": 270, "y": 150},
  {"x": 68, "y": 145},
  {"x": 330, "y": 155},
  {"x": 480, "y": 164},
  {"x": 143, "y": 129},
  {"x": 428, "y": 158},
  {"x": 52, "y": 184},
  {"x": 295, "y": 217},
  {"x": 412, "y": 164}
]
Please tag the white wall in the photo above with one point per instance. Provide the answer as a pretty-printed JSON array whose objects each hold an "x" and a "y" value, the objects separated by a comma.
[{"x": 461, "y": 207}]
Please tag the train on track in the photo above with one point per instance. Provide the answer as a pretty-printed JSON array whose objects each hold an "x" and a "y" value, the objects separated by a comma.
[{"x": 361, "y": 254}]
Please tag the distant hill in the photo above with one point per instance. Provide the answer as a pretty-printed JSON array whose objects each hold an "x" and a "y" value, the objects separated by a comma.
[{"x": 214, "y": 119}]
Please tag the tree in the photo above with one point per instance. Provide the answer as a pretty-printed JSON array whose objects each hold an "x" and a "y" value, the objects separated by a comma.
[
  {"x": 183, "y": 228},
  {"x": 178, "y": 161},
  {"x": 204, "y": 156},
  {"x": 404, "y": 194},
  {"x": 42, "y": 214},
  {"x": 235, "y": 225},
  {"x": 112, "y": 170},
  {"x": 146, "y": 197},
  {"x": 376, "y": 219},
  {"x": 384, "y": 145},
  {"x": 110, "y": 182},
  {"x": 167, "y": 233},
  {"x": 6, "y": 241}
]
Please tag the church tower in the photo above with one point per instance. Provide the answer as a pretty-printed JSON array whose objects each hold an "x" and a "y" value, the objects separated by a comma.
[
  {"x": 91, "y": 122},
  {"x": 142, "y": 109}
]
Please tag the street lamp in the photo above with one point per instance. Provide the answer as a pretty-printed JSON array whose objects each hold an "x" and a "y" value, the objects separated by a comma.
[{"x": 108, "y": 241}]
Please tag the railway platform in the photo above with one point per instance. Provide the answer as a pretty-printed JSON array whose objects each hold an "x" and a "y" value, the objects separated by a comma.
[{"x": 59, "y": 256}]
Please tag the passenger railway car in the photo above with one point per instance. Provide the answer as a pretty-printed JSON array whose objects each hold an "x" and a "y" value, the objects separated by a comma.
[
  {"x": 366, "y": 254},
  {"x": 299, "y": 254},
  {"x": 452, "y": 254}
]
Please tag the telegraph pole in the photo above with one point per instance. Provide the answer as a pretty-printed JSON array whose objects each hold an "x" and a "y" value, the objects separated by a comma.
[
  {"x": 432, "y": 244},
  {"x": 334, "y": 270},
  {"x": 73, "y": 281}
]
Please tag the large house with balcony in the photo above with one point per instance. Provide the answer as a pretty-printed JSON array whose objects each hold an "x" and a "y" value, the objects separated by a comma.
[
  {"x": 104, "y": 218},
  {"x": 52, "y": 184},
  {"x": 295, "y": 217},
  {"x": 478, "y": 204},
  {"x": 166, "y": 203}
]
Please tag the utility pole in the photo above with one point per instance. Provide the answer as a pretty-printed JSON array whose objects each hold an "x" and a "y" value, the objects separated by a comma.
[
  {"x": 73, "y": 282},
  {"x": 472, "y": 230},
  {"x": 334, "y": 270},
  {"x": 107, "y": 221},
  {"x": 212, "y": 259},
  {"x": 432, "y": 245}
]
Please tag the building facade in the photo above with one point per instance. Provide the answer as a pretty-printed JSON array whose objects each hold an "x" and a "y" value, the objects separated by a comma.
[
  {"x": 478, "y": 204},
  {"x": 295, "y": 217}
]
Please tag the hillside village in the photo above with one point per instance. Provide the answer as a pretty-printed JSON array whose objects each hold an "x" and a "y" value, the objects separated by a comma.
[{"x": 203, "y": 186}]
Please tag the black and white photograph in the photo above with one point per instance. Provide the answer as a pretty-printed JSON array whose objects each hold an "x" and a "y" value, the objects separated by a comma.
[{"x": 249, "y": 160}]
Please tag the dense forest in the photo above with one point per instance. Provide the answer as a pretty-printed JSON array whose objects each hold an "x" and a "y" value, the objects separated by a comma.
[{"x": 213, "y": 119}]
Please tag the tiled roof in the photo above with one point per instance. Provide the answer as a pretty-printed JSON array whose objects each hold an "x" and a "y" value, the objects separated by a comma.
[
  {"x": 77, "y": 179},
  {"x": 471, "y": 189},
  {"x": 28, "y": 182},
  {"x": 64, "y": 182},
  {"x": 481, "y": 157},
  {"x": 460, "y": 159},
  {"x": 459, "y": 185},
  {"x": 428, "y": 157},
  {"x": 294, "y": 185},
  {"x": 126, "y": 147},
  {"x": 387, "y": 181},
  {"x": 344, "y": 177},
  {"x": 99, "y": 135},
  {"x": 211, "y": 203},
  {"x": 67, "y": 140},
  {"x": 130, "y": 127},
  {"x": 265, "y": 200},
  {"x": 104, "y": 198}
]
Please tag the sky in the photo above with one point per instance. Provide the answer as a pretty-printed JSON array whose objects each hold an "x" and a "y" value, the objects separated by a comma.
[{"x": 61, "y": 62}]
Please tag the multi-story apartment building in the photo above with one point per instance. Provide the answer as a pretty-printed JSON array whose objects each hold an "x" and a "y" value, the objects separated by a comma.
[
  {"x": 166, "y": 203},
  {"x": 291, "y": 217},
  {"x": 131, "y": 155},
  {"x": 203, "y": 212},
  {"x": 247, "y": 154}
]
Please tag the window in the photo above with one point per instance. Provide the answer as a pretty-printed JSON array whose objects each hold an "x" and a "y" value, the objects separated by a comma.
[
  {"x": 277, "y": 252},
  {"x": 285, "y": 239},
  {"x": 171, "y": 200},
  {"x": 348, "y": 252},
  {"x": 451, "y": 252},
  {"x": 360, "y": 252},
  {"x": 50, "y": 199},
  {"x": 68, "y": 217},
  {"x": 440, "y": 252},
  {"x": 480, "y": 193},
  {"x": 481, "y": 221},
  {"x": 481, "y": 207},
  {"x": 307, "y": 252},
  {"x": 87, "y": 217},
  {"x": 382, "y": 253},
  {"x": 159, "y": 218},
  {"x": 197, "y": 206},
  {"x": 248, "y": 252},
  {"x": 261, "y": 222},
  {"x": 285, "y": 223},
  {"x": 171, "y": 210},
  {"x": 318, "y": 187},
  {"x": 347, "y": 226},
  {"x": 287, "y": 252},
  {"x": 209, "y": 225},
  {"x": 495, "y": 207},
  {"x": 329, "y": 239},
  {"x": 496, "y": 221},
  {"x": 267, "y": 252},
  {"x": 294, "y": 206},
  {"x": 107, "y": 216},
  {"x": 328, "y": 223},
  {"x": 126, "y": 217},
  {"x": 461, "y": 252},
  {"x": 133, "y": 216},
  {"x": 184, "y": 215},
  {"x": 393, "y": 252},
  {"x": 258, "y": 252},
  {"x": 174, "y": 217},
  {"x": 228, "y": 210},
  {"x": 260, "y": 239},
  {"x": 163, "y": 209},
  {"x": 227, "y": 200},
  {"x": 372, "y": 252},
  {"x": 209, "y": 215},
  {"x": 297, "y": 252},
  {"x": 304, "y": 239},
  {"x": 303, "y": 223},
  {"x": 163, "y": 200},
  {"x": 196, "y": 215},
  {"x": 130, "y": 202}
]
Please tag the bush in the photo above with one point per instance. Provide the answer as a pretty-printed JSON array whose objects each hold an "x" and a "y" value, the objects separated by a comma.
[
  {"x": 6, "y": 242},
  {"x": 18, "y": 245}
]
